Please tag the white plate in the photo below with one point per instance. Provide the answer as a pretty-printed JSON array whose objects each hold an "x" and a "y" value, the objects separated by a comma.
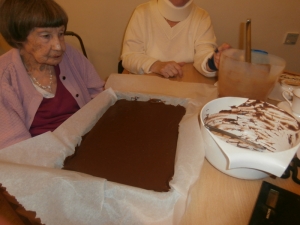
[{"x": 286, "y": 107}]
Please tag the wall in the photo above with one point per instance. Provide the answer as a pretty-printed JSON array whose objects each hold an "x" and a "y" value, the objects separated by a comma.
[
  {"x": 270, "y": 21},
  {"x": 3, "y": 45},
  {"x": 102, "y": 24}
]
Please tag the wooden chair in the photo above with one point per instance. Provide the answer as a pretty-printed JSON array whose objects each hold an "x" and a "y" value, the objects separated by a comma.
[{"x": 120, "y": 67}]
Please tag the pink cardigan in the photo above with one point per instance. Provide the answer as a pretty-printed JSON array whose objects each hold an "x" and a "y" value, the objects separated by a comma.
[{"x": 19, "y": 99}]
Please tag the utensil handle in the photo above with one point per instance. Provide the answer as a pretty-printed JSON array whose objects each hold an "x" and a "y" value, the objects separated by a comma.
[
  {"x": 284, "y": 93},
  {"x": 248, "y": 41},
  {"x": 212, "y": 128}
]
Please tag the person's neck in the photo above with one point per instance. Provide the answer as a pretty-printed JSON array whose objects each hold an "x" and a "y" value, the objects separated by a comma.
[
  {"x": 31, "y": 64},
  {"x": 172, "y": 23}
]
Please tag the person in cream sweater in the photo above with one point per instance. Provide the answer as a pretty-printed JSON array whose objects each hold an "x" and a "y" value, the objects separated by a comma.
[{"x": 163, "y": 35}]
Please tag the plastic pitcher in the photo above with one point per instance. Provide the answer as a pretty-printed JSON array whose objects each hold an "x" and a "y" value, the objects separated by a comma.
[{"x": 254, "y": 80}]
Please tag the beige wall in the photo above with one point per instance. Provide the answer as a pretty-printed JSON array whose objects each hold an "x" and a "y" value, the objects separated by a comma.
[
  {"x": 271, "y": 20},
  {"x": 101, "y": 24}
]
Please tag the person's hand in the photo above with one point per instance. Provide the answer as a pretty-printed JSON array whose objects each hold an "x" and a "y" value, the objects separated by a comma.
[
  {"x": 218, "y": 52},
  {"x": 167, "y": 69}
]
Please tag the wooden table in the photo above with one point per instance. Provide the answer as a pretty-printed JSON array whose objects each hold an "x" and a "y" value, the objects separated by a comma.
[
  {"x": 190, "y": 74},
  {"x": 219, "y": 199}
]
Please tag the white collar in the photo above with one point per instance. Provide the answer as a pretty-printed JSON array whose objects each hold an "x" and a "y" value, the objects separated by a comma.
[{"x": 173, "y": 13}]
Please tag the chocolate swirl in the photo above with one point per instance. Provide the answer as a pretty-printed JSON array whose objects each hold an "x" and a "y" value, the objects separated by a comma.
[{"x": 259, "y": 122}]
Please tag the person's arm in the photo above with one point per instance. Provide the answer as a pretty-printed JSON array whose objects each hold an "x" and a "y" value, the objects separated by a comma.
[
  {"x": 217, "y": 56},
  {"x": 134, "y": 58},
  {"x": 167, "y": 69},
  {"x": 12, "y": 117},
  {"x": 205, "y": 44},
  {"x": 79, "y": 65},
  {"x": 92, "y": 79},
  {"x": 207, "y": 55}
]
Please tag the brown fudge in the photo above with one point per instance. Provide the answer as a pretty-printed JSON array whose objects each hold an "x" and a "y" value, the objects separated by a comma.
[{"x": 133, "y": 143}]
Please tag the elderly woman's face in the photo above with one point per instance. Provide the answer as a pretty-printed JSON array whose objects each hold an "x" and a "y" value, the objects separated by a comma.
[
  {"x": 179, "y": 3},
  {"x": 46, "y": 45}
]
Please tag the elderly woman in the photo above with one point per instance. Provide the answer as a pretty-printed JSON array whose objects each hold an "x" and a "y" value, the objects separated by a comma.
[
  {"x": 163, "y": 35},
  {"x": 43, "y": 80}
]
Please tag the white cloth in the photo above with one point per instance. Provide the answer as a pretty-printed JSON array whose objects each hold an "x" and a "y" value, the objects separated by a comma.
[
  {"x": 149, "y": 38},
  {"x": 29, "y": 170}
]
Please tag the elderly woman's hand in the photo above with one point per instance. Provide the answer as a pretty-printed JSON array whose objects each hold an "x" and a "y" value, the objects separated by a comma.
[
  {"x": 167, "y": 69},
  {"x": 218, "y": 52}
]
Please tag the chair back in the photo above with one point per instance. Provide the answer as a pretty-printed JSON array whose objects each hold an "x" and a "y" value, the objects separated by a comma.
[{"x": 71, "y": 33}]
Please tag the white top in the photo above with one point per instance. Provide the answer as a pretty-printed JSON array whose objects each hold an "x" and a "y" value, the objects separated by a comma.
[
  {"x": 45, "y": 93},
  {"x": 149, "y": 38}
]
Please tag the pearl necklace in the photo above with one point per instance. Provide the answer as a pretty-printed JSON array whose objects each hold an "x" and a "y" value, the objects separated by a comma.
[{"x": 47, "y": 87}]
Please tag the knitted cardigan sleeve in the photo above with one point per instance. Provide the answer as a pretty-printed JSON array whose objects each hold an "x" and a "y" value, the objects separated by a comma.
[{"x": 12, "y": 115}]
